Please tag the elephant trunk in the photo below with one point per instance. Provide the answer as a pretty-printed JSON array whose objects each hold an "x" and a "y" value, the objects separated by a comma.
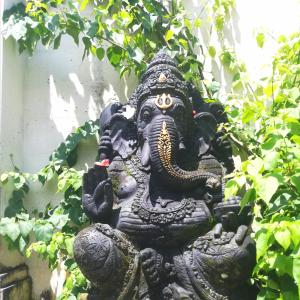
[{"x": 163, "y": 148}]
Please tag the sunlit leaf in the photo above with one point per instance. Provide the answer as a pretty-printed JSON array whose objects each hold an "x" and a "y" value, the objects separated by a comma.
[
  {"x": 260, "y": 39},
  {"x": 283, "y": 237},
  {"x": 169, "y": 35}
]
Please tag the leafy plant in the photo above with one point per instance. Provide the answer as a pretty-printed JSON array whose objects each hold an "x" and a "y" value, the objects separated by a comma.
[
  {"x": 271, "y": 172},
  {"x": 50, "y": 233},
  {"x": 127, "y": 32}
]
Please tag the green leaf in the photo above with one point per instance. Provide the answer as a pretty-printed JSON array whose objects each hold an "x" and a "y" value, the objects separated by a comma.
[
  {"x": 138, "y": 55},
  {"x": 296, "y": 269},
  {"x": 236, "y": 77},
  {"x": 266, "y": 187},
  {"x": 13, "y": 231},
  {"x": 295, "y": 179},
  {"x": 4, "y": 178},
  {"x": 262, "y": 242},
  {"x": 83, "y": 4},
  {"x": 231, "y": 188},
  {"x": 69, "y": 245},
  {"x": 294, "y": 93},
  {"x": 294, "y": 128},
  {"x": 255, "y": 167},
  {"x": 56, "y": 42},
  {"x": 294, "y": 228},
  {"x": 169, "y": 35},
  {"x": 226, "y": 58},
  {"x": 284, "y": 264},
  {"x": 219, "y": 22},
  {"x": 271, "y": 142},
  {"x": 19, "y": 30},
  {"x": 43, "y": 232},
  {"x": 114, "y": 55},
  {"x": 212, "y": 51},
  {"x": 283, "y": 237},
  {"x": 288, "y": 288},
  {"x": 198, "y": 22},
  {"x": 100, "y": 52},
  {"x": 25, "y": 228},
  {"x": 296, "y": 139},
  {"x": 249, "y": 197},
  {"x": 260, "y": 39},
  {"x": 271, "y": 160},
  {"x": 22, "y": 244},
  {"x": 87, "y": 42},
  {"x": 184, "y": 43},
  {"x": 59, "y": 220},
  {"x": 74, "y": 33},
  {"x": 248, "y": 114},
  {"x": 38, "y": 247}
]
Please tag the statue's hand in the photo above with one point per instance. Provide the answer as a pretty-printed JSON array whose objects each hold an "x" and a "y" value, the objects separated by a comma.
[
  {"x": 230, "y": 214},
  {"x": 240, "y": 233},
  {"x": 222, "y": 142},
  {"x": 97, "y": 199}
]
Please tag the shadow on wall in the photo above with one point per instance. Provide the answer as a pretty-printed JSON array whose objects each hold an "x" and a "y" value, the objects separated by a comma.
[{"x": 61, "y": 92}]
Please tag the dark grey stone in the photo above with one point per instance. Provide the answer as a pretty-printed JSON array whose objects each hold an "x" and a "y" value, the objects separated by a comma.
[{"x": 162, "y": 229}]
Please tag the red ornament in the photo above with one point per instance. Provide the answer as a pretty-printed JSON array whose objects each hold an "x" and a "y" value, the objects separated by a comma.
[
  {"x": 194, "y": 113},
  {"x": 102, "y": 163}
]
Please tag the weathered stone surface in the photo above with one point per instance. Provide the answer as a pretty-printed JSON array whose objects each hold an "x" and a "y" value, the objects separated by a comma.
[{"x": 162, "y": 228}]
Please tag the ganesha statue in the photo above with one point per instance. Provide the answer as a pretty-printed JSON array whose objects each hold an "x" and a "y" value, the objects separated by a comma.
[{"x": 161, "y": 228}]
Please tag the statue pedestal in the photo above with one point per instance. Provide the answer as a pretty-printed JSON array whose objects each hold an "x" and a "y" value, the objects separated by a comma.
[{"x": 15, "y": 283}]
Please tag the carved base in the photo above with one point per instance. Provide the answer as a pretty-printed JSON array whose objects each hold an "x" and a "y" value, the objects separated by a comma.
[{"x": 208, "y": 269}]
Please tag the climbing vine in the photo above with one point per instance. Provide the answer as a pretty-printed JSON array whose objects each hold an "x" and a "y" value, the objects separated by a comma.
[{"x": 129, "y": 33}]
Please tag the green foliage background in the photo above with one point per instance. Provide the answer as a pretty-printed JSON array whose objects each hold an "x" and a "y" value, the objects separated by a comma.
[{"x": 264, "y": 127}]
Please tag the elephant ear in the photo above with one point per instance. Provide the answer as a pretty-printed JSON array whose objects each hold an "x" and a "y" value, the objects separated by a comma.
[
  {"x": 206, "y": 129},
  {"x": 119, "y": 120}
]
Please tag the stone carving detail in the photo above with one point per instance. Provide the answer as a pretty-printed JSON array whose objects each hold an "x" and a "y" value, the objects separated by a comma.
[{"x": 162, "y": 229}]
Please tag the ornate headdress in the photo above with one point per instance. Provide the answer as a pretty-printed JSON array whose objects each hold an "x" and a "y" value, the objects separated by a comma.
[{"x": 161, "y": 77}]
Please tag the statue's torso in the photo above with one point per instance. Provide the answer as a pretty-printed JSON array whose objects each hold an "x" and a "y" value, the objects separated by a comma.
[
  {"x": 163, "y": 220},
  {"x": 181, "y": 231}
]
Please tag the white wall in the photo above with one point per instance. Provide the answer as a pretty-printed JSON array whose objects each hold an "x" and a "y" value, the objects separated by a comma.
[
  {"x": 11, "y": 123},
  {"x": 45, "y": 97},
  {"x": 274, "y": 17},
  {"x": 11, "y": 106}
]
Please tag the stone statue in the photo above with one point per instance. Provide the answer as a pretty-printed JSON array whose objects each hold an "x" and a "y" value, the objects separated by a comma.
[{"x": 162, "y": 229}]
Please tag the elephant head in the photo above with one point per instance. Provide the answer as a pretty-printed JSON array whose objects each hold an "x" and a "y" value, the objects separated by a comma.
[
  {"x": 167, "y": 128},
  {"x": 161, "y": 124}
]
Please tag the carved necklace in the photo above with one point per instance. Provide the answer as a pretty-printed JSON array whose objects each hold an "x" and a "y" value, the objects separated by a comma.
[{"x": 153, "y": 215}]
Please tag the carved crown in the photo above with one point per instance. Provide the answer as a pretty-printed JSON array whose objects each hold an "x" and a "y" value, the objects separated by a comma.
[{"x": 161, "y": 76}]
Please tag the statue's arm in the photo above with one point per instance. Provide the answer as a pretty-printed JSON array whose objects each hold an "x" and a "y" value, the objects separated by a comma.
[
  {"x": 230, "y": 217},
  {"x": 222, "y": 149},
  {"x": 97, "y": 198}
]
